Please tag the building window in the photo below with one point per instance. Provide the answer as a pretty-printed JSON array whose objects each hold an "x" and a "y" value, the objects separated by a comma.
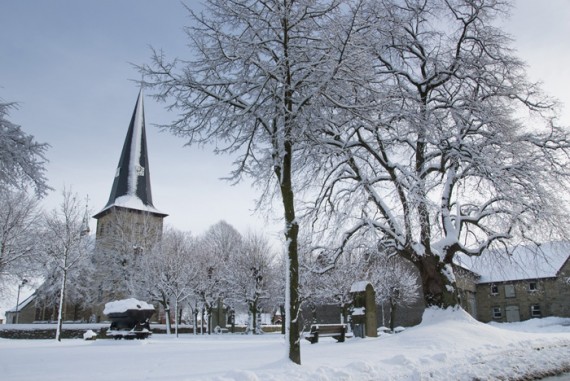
[
  {"x": 494, "y": 289},
  {"x": 535, "y": 311},
  {"x": 510, "y": 291},
  {"x": 533, "y": 286},
  {"x": 497, "y": 314}
]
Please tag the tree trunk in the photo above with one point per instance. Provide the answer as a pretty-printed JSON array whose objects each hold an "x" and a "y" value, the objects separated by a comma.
[
  {"x": 61, "y": 303},
  {"x": 253, "y": 317},
  {"x": 438, "y": 282},
  {"x": 392, "y": 314},
  {"x": 167, "y": 316},
  {"x": 210, "y": 318},
  {"x": 283, "y": 323},
  {"x": 176, "y": 317},
  {"x": 292, "y": 304}
]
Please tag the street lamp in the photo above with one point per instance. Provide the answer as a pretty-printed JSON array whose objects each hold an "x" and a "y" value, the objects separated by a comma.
[{"x": 24, "y": 281}]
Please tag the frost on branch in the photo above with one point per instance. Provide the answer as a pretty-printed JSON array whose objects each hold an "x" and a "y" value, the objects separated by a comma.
[{"x": 22, "y": 159}]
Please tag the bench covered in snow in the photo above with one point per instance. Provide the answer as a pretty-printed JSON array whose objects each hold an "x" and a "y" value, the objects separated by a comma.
[{"x": 336, "y": 331}]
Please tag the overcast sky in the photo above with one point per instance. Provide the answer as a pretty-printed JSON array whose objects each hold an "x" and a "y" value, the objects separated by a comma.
[{"x": 68, "y": 64}]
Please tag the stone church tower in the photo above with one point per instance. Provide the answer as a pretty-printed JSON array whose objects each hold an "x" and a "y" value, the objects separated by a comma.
[{"x": 129, "y": 225}]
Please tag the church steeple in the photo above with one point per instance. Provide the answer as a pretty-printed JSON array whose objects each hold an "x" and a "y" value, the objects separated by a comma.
[{"x": 131, "y": 186}]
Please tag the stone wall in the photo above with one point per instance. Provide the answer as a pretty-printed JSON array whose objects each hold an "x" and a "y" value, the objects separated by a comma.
[{"x": 522, "y": 300}]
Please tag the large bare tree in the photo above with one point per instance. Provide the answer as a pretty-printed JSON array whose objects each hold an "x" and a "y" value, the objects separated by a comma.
[
  {"x": 252, "y": 85},
  {"x": 438, "y": 142}
]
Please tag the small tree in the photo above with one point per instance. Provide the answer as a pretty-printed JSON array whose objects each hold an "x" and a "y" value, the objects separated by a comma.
[
  {"x": 249, "y": 275},
  {"x": 20, "y": 220},
  {"x": 213, "y": 253},
  {"x": 170, "y": 272},
  {"x": 66, "y": 244},
  {"x": 395, "y": 281},
  {"x": 333, "y": 286}
]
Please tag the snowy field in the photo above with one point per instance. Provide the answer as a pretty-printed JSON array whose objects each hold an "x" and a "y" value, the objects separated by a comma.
[{"x": 448, "y": 345}]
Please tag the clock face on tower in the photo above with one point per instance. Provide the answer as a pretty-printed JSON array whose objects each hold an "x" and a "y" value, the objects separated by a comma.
[{"x": 140, "y": 170}]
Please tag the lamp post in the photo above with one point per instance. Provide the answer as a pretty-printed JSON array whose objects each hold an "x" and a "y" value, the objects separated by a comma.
[{"x": 24, "y": 281}]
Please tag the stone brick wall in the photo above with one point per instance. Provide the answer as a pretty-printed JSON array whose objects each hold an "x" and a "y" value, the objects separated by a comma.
[{"x": 525, "y": 299}]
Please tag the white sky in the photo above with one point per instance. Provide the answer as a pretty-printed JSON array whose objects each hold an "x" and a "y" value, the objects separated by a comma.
[{"x": 68, "y": 64}]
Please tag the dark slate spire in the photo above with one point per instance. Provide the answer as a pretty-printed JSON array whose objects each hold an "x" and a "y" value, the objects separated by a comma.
[{"x": 131, "y": 187}]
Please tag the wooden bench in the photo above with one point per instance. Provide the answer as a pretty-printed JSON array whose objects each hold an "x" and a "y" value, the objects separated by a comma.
[{"x": 336, "y": 331}]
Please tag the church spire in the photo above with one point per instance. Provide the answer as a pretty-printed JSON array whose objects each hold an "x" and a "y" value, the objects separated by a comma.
[{"x": 131, "y": 186}]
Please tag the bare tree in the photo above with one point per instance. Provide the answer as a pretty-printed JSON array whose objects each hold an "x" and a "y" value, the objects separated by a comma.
[
  {"x": 213, "y": 252},
  {"x": 66, "y": 244},
  {"x": 22, "y": 159},
  {"x": 395, "y": 282},
  {"x": 19, "y": 227},
  {"x": 169, "y": 272},
  {"x": 259, "y": 71},
  {"x": 438, "y": 143},
  {"x": 333, "y": 286},
  {"x": 250, "y": 274}
]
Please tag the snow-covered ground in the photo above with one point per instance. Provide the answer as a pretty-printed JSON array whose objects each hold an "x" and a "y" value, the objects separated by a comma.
[{"x": 447, "y": 345}]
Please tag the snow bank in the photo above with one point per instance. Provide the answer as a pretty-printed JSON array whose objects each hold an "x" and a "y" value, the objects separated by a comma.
[
  {"x": 120, "y": 306},
  {"x": 447, "y": 345},
  {"x": 548, "y": 324},
  {"x": 437, "y": 316}
]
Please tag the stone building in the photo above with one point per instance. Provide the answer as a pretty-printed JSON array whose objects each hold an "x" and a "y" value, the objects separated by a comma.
[
  {"x": 530, "y": 283},
  {"x": 467, "y": 286}
]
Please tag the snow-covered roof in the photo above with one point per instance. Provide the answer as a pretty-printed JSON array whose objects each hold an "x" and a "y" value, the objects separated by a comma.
[
  {"x": 131, "y": 186},
  {"x": 523, "y": 262},
  {"x": 120, "y": 306},
  {"x": 22, "y": 304}
]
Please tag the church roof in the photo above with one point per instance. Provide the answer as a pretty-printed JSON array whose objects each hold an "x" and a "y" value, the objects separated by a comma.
[{"x": 131, "y": 186}]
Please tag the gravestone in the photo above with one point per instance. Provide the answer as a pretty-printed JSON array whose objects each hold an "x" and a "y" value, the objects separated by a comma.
[{"x": 364, "y": 309}]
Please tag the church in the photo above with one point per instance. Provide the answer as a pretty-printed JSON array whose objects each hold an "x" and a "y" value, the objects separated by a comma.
[{"x": 127, "y": 225}]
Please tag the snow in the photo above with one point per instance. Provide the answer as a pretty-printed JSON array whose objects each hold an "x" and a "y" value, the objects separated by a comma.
[
  {"x": 120, "y": 306},
  {"x": 136, "y": 146},
  {"x": 22, "y": 303},
  {"x": 524, "y": 263},
  {"x": 9, "y": 295},
  {"x": 89, "y": 335},
  {"x": 359, "y": 286},
  {"x": 358, "y": 311},
  {"x": 447, "y": 345},
  {"x": 131, "y": 201}
]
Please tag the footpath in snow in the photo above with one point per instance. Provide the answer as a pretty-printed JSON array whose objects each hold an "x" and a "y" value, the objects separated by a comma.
[{"x": 447, "y": 345}]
